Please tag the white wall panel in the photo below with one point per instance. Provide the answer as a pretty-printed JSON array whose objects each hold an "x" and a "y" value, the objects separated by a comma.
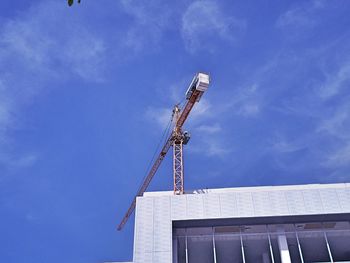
[
  {"x": 145, "y": 257},
  {"x": 178, "y": 207},
  {"x": 144, "y": 225},
  {"x": 312, "y": 201},
  {"x": 278, "y": 203},
  {"x": 211, "y": 204},
  {"x": 162, "y": 257},
  {"x": 162, "y": 224},
  {"x": 344, "y": 199},
  {"x": 295, "y": 202},
  {"x": 228, "y": 205},
  {"x": 195, "y": 206},
  {"x": 261, "y": 203},
  {"x": 245, "y": 204},
  {"x": 330, "y": 200}
]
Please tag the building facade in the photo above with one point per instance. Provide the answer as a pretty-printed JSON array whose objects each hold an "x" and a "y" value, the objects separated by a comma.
[{"x": 303, "y": 223}]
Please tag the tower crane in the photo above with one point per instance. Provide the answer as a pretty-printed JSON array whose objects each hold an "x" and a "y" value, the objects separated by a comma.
[{"x": 177, "y": 139}]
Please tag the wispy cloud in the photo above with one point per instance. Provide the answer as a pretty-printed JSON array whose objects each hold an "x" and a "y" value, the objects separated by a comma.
[
  {"x": 249, "y": 109},
  {"x": 215, "y": 148},
  {"x": 209, "y": 129},
  {"x": 338, "y": 124},
  {"x": 336, "y": 81},
  {"x": 340, "y": 157},
  {"x": 206, "y": 119},
  {"x": 210, "y": 146},
  {"x": 281, "y": 145},
  {"x": 302, "y": 15},
  {"x": 302, "y": 19},
  {"x": 197, "y": 23},
  {"x": 33, "y": 43},
  {"x": 5, "y": 110},
  {"x": 160, "y": 116},
  {"x": 16, "y": 161},
  {"x": 201, "y": 110},
  {"x": 205, "y": 19},
  {"x": 337, "y": 129},
  {"x": 246, "y": 101},
  {"x": 149, "y": 21},
  {"x": 200, "y": 124},
  {"x": 305, "y": 92},
  {"x": 35, "y": 51},
  {"x": 211, "y": 141}
]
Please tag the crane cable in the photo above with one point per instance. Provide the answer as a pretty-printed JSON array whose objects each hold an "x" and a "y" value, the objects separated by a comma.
[{"x": 161, "y": 141}]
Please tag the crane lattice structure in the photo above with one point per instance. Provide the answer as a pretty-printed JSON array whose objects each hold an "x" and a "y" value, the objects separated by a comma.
[{"x": 177, "y": 139}]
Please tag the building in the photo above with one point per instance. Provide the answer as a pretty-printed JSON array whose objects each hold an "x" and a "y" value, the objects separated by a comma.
[{"x": 299, "y": 223}]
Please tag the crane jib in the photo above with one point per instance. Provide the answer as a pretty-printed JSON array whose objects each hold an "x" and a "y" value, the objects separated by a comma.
[
  {"x": 147, "y": 181},
  {"x": 188, "y": 107},
  {"x": 195, "y": 91}
]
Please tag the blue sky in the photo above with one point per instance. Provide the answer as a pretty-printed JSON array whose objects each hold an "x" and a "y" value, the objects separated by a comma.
[{"x": 86, "y": 92}]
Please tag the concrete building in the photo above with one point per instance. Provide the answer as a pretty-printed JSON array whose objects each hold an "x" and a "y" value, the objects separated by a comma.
[{"x": 301, "y": 223}]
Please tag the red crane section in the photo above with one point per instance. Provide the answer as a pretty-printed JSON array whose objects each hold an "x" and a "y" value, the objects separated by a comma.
[
  {"x": 147, "y": 181},
  {"x": 177, "y": 139}
]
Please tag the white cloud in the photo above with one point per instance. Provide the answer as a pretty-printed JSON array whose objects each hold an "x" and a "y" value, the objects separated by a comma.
[
  {"x": 5, "y": 110},
  {"x": 215, "y": 148},
  {"x": 45, "y": 44},
  {"x": 177, "y": 90},
  {"x": 295, "y": 17},
  {"x": 201, "y": 110},
  {"x": 152, "y": 12},
  {"x": 338, "y": 124},
  {"x": 161, "y": 116},
  {"x": 14, "y": 161},
  {"x": 339, "y": 157},
  {"x": 35, "y": 43},
  {"x": 336, "y": 82},
  {"x": 199, "y": 22},
  {"x": 302, "y": 15},
  {"x": 207, "y": 144},
  {"x": 203, "y": 20},
  {"x": 210, "y": 146},
  {"x": 209, "y": 129},
  {"x": 281, "y": 145},
  {"x": 24, "y": 161},
  {"x": 314, "y": 111},
  {"x": 84, "y": 55},
  {"x": 210, "y": 136},
  {"x": 249, "y": 109},
  {"x": 150, "y": 20},
  {"x": 337, "y": 129},
  {"x": 245, "y": 101}
]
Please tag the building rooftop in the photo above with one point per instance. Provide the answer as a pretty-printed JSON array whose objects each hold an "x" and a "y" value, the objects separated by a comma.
[
  {"x": 251, "y": 189},
  {"x": 260, "y": 221}
]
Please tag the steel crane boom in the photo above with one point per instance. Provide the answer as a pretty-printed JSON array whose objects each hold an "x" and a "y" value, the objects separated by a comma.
[{"x": 177, "y": 139}]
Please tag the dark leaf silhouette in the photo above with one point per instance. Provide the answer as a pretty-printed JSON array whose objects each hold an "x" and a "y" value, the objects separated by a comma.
[{"x": 70, "y": 2}]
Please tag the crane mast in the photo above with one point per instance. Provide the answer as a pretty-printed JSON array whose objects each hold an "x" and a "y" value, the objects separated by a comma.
[{"x": 177, "y": 139}]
